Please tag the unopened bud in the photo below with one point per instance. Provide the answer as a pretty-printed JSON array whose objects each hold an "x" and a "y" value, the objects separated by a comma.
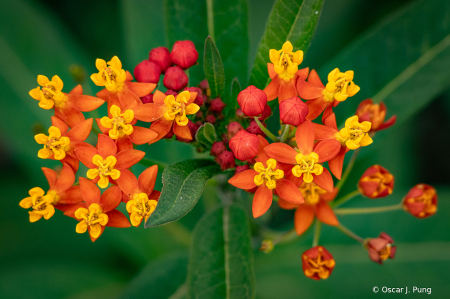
[
  {"x": 175, "y": 78},
  {"x": 161, "y": 56},
  {"x": 184, "y": 54},
  {"x": 147, "y": 71}
]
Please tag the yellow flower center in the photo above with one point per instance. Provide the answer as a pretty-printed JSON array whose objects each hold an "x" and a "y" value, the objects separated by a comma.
[
  {"x": 119, "y": 123},
  {"x": 385, "y": 252},
  {"x": 311, "y": 193},
  {"x": 285, "y": 61},
  {"x": 54, "y": 144},
  {"x": 307, "y": 165},
  {"x": 178, "y": 109},
  {"x": 42, "y": 204},
  {"x": 427, "y": 199},
  {"x": 318, "y": 265},
  {"x": 140, "y": 207},
  {"x": 340, "y": 86},
  {"x": 93, "y": 218},
  {"x": 354, "y": 134},
  {"x": 267, "y": 174},
  {"x": 105, "y": 169},
  {"x": 111, "y": 75},
  {"x": 51, "y": 94}
]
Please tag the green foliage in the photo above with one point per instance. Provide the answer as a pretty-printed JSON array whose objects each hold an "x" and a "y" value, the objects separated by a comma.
[
  {"x": 213, "y": 67},
  {"x": 206, "y": 135},
  {"x": 221, "y": 256},
  {"x": 289, "y": 20},
  {"x": 235, "y": 90},
  {"x": 183, "y": 183}
]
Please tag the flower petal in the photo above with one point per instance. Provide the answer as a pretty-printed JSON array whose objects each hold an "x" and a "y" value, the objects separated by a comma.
[
  {"x": 308, "y": 91},
  {"x": 289, "y": 192},
  {"x": 147, "y": 179},
  {"x": 60, "y": 124},
  {"x": 110, "y": 199},
  {"x": 149, "y": 112},
  {"x": 142, "y": 135},
  {"x": 304, "y": 216},
  {"x": 106, "y": 146},
  {"x": 128, "y": 158},
  {"x": 322, "y": 132},
  {"x": 305, "y": 137},
  {"x": 281, "y": 152},
  {"x": 287, "y": 90},
  {"x": 325, "y": 214},
  {"x": 162, "y": 127},
  {"x": 72, "y": 117},
  {"x": 272, "y": 89},
  {"x": 315, "y": 107},
  {"x": 89, "y": 191},
  {"x": 287, "y": 205},
  {"x": 262, "y": 200},
  {"x": 70, "y": 196},
  {"x": 85, "y": 103},
  {"x": 103, "y": 129},
  {"x": 314, "y": 79},
  {"x": 117, "y": 219},
  {"x": 127, "y": 182},
  {"x": 81, "y": 131},
  {"x": 182, "y": 131},
  {"x": 127, "y": 98},
  {"x": 65, "y": 179},
  {"x": 337, "y": 163},
  {"x": 244, "y": 180},
  {"x": 327, "y": 149},
  {"x": 124, "y": 144},
  {"x": 324, "y": 181},
  {"x": 141, "y": 89},
  {"x": 159, "y": 97},
  {"x": 50, "y": 175}
]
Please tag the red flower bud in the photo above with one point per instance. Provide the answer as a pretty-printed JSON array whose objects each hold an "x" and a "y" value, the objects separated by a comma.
[
  {"x": 175, "y": 78},
  {"x": 376, "y": 182},
  {"x": 317, "y": 263},
  {"x": 233, "y": 128},
  {"x": 147, "y": 99},
  {"x": 161, "y": 56},
  {"x": 239, "y": 113},
  {"x": 421, "y": 201},
  {"x": 375, "y": 113},
  {"x": 169, "y": 135},
  {"x": 204, "y": 85},
  {"x": 293, "y": 111},
  {"x": 253, "y": 128},
  {"x": 217, "y": 105},
  {"x": 171, "y": 92},
  {"x": 225, "y": 138},
  {"x": 210, "y": 118},
  {"x": 147, "y": 72},
  {"x": 241, "y": 168},
  {"x": 199, "y": 114},
  {"x": 380, "y": 248},
  {"x": 252, "y": 101},
  {"x": 226, "y": 160},
  {"x": 244, "y": 145},
  {"x": 267, "y": 112},
  {"x": 184, "y": 54},
  {"x": 217, "y": 148}
]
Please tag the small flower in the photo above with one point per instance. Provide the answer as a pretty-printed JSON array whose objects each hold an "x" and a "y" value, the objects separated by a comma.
[
  {"x": 184, "y": 54},
  {"x": 217, "y": 148},
  {"x": 244, "y": 145},
  {"x": 175, "y": 78},
  {"x": 340, "y": 86},
  {"x": 317, "y": 263},
  {"x": 266, "y": 246},
  {"x": 421, "y": 201},
  {"x": 293, "y": 111},
  {"x": 161, "y": 56},
  {"x": 252, "y": 101},
  {"x": 285, "y": 61},
  {"x": 110, "y": 74},
  {"x": 355, "y": 134},
  {"x": 147, "y": 71},
  {"x": 226, "y": 160},
  {"x": 376, "y": 182},
  {"x": 54, "y": 144},
  {"x": 50, "y": 94},
  {"x": 374, "y": 113},
  {"x": 233, "y": 128},
  {"x": 380, "y": 249}
]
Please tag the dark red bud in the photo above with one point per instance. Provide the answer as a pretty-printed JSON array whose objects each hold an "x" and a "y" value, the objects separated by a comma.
[
  {"x": 147, "y": 72},
  {"x": 210, "y": 118},
  {"x": 217, "y": 105},
  {"x": 233, "y": 128},
  {"x": 184, "y": 54},
  {"x": 293, "y": 111},
  {"x": 217, "y": 148},
  {"x": 241, "y": 168},
  {"x": 161, "y": 56},
  {"x": 239, "y": 113},
  {"x": 169, "y": 135},
  {"x": 267, "y": 112},
  {"x": 199, "y": 114},
  {"x": 171, "y": 92},
  {"x": 204, "y": 85},
  {"x": 244, "y": 145},
  {"x": 147, "y": 99},
  {"x": 254, "y": 129},
  {"x": 226, "y": 160},
  {"x": 252, "y": 101},
  {"x": 175, "y": 78}
]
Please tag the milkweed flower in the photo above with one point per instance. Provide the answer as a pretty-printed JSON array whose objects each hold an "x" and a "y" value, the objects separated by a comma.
[
  {"x": 67, "y": 107},
  {"x": 61, "y": 194},
  {"x": 284, "y": 72},
  {"x": 380, "y": 249},
  {"x": 307, "y": 157},
  {"x": 244, "y": 145},
  {"x": 139, "y": 194},
  {"x": 376, "y": 182},
  {"x": 252, "y": 101},
  {"x": 317, "y": 263},
  {"x": 374, "y": 113},
  {"x": 104, "y": 162},
  {"x": 340, "y": 86},
  {"x": 267, "y": 175},
  {"x": 421, "y": 201}
]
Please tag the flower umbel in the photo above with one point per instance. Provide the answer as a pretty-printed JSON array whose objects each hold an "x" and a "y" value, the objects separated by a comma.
[{"x": 53, "y": 144}]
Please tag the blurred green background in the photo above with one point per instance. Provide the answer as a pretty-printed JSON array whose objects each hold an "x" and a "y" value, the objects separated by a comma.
[{"x": 48, "y": 259}]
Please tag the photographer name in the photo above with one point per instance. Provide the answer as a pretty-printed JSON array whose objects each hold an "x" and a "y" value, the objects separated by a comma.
[{"x": 404, "y": 290}]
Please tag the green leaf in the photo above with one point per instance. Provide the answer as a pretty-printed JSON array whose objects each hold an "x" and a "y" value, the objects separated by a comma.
[
  {"x": 403, "y": 60},
  {"x": 235, "y": 90},
  {"x": 183, "y": 183},
  {"x": 290, "y": 20},
  {"x": 206, "y": 135},
  {"x": 213, "y": 67},
  {"x": 162, "y": 278},
  {"x": 221, "y": 256}
]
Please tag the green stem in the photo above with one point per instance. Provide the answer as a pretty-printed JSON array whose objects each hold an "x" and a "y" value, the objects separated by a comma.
[
  {"x": 284, "y": 133},
  {"x": 348, "y": 169},
  {"x": 349, "y": 233},
  {"x": 284, "y": 237},
  {"x": 210, "y": 16},
  {"x": 317, "y": 228},
  {"x": 344, "y": 199},
  {"x": 150, "y": 162},
  {"x": 265, "y": 130},
  {"x": 292, "y": 134},
  {"x": 368, "y": 210}
]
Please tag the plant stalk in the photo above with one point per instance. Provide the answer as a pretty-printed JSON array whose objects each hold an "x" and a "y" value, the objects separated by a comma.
[
  {"x": 350, "y": 233},
  {"x": 344, "y": 199},
  {"x": 265, "y": 130},
  {"x": 368, "y": 210}
]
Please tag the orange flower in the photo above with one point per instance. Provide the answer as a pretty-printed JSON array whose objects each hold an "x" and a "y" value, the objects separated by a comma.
[
  {"x": 374, "y": 113},
  {"x": 306, "y": 157},
  {"x": 316, "y": 204},
  {"x": 317, "y": 263},
  {"x": 380, "y": 248},
  {"x": 421, "y": 201},
  {"x": 376, "y": 182},
  {"x": 267, "y": 175}
]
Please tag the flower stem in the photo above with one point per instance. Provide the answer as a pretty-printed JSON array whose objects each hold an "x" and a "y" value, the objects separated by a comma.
[
  {"x": 348, "y": 169},
  {"x": 150, "y": 162},
  {"x": 368, "y": 210},
  {"x": 284, "y": 133},
  {"x": 265, "y": 130},
  {"x": 210, "y": 17},
  {"x": 284, "y": 237},
  {"x": 317, "y": 228},
  {"x": 345, "y": 198},
  {"x": 349, "y": 233},
  {"x": 292, "y": 134}
]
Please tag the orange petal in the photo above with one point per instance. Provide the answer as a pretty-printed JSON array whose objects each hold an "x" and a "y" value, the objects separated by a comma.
[
  {"x": 302, "y": 73},
  {"x": 162, "y": 127},
  {"x": 192, "y": 97},
  {"x": 103, "y": 129},
  {"x": 329, "y": 118},
  {"x": 127, "y": 182},
  {"x": 287, "y": 90},
  {"x": 182, "y": 131},
  {"x": 323, "y": 132},
  {"x": 325, "y": 214},
  {"x": 324, "y": 181},
  {"x": 262, "y": 200},
  {"x": 305, "y": 137},
  {"x": 149, "y": 112},
  {"x": 81, "y": 131},
  {"x": 304, "y": 216},
  {"x": 129, "y": 76},
  {"x": 110, "y": 199},
  {"x": 391, "y": 121},
  {"x": 70, "y": 196},
  {"x": 272, "y": 89},
  {"x": 85, "y": 155},
  {"x": 127, "y": 98},
  {"x": 337, "y": 162},
  {"x": 315, "y": 107},
  {"x": 60, "y": 124},
  {"x": 244, "y": 180},
  {"x": 128, "y": 158},
  {"x": 159, "y": 97},
  {"x": 141, "y": 89},
  {"x": 262, "y": 156},
  {"x": 50, "y": 175},
  {"x": 314, "y": 79},
  {"x": 124, "y": 144},
  {"x": 117, "y": 219},
  {"x": 142, "y": 135},
  {"x": 298, "y": 181},
  {"x": 77, "y": 90},
  {"x": 147, "y": 179},
  {"x": 72, "y": 161},
  {"x": 69, "y": 210},
  {"x": 72, "y": 117},
  {"x": 271, "y": 70},
  {"x": 308, "y": 91},
  {"x": 89, "y": 191},
  {"x": 106, "y": 146},
  {"x": 85, "y": 103},
  {"x": 65, "y": 179},
  {"x": 289, "y": 192},
  {"x": 329, "y": 196},
  {"x": 281, "y": 152},
  {"x": 286, "y": 204},
  {"x": 327, "y": 149}
]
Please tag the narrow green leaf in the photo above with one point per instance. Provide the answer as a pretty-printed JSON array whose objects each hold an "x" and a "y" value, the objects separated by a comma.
[
  {"x": 206, "y": 135},
  {"x": 183, "y": 183},
  {"x": 403, "y": 60},
  {"x": 290, "y": 20},
  {"x": 221, "y": 256},
  {"x": 163, "y": 278},
  {"x": 235, "y": 90},
  {"x": 213, "y": 67}
]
